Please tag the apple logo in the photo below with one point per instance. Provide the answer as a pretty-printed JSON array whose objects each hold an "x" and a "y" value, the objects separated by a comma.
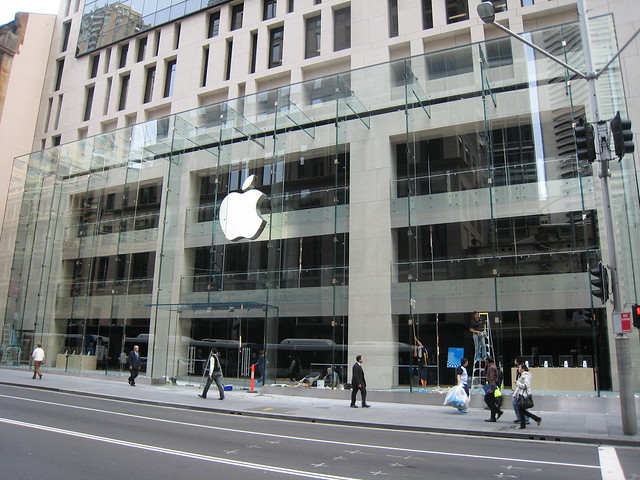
[{"x": 239, "y": 214}]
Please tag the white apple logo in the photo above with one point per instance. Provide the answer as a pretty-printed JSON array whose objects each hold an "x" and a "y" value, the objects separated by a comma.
[{"x": 239, "y": 215}]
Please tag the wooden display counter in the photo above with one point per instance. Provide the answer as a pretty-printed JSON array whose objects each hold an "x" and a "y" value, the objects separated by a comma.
[
  {"x": 560, "y": 378},
  {"x": 76, "y": 362}
]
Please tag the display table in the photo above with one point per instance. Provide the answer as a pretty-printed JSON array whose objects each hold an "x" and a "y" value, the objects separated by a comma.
[
  {"x": 76, "y": 362},
  {"x": 560, "y": 378}
]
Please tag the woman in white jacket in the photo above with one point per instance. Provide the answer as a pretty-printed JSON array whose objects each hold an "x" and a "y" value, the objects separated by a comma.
[{"x": 523, "y": 390}]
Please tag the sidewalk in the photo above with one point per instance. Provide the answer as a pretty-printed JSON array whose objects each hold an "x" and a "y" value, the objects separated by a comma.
[{"x": 582, "y": 425}]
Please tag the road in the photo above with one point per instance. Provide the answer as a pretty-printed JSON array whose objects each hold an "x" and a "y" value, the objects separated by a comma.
[{"x": 53, "y": 435}]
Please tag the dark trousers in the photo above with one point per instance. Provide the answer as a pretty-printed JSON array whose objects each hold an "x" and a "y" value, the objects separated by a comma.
[
  {"x": 216, "y": 377},
  {"x": 354, "y": 392},
  {"x": 490, "y": 400},
  {"x": 134, "y": 374},
  {"x": 526, "y": 413}
]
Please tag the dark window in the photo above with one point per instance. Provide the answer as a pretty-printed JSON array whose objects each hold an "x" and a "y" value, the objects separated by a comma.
[
  {"x": 56, "y": 140},
  {"x": 124, "y": 49},
  {"x": 148, "y": 84},
  {"x": 457, "y": 11},
  {"x": 236, "y": 16},
  {"x": 214, "y": 24},
  {"x": 157, "y": 46},
  {"x": 342, "y": 29},
  {"x": 499, "y": 53},
  {"x": 393, "y": 18},
  {"x": 290, "y": 6},
  {"x": 124, "y": 91},
  {"x": 142, "y": 48},
  {"x": 499, "y": 5},
  {"x": 269, "y": 9},
  {"x": 205, "y": 66},
  {"x": 59, "y": 70},
  {"x": 254, "y": 52},
  {"x": 450, "y": 63},
  {"x": 427, "y": 14},
  {"x": 95, "y": 60},
  {"x": 227, "y": 73},
  {"x": 88, "y": 102},
  {"x": 140, "y": 265},
  {"x": 66, "y": 30},
  {"x": 318, "y": 2},
  {"x": 169, "y": 78},
  {"x": 276, "y": 40},
  {"x": 177, "y": 29},
  {"x": 312, "y": 37}
]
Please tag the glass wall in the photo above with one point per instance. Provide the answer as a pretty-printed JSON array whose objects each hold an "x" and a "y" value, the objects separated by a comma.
[{"x": 392, "y": 201}]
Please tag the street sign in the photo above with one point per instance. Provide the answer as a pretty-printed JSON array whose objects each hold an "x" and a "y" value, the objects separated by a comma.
[{"x": 622, "y": 322}]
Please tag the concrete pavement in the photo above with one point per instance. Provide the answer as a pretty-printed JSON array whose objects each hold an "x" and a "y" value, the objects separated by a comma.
[{"x": 588, "y": 420}]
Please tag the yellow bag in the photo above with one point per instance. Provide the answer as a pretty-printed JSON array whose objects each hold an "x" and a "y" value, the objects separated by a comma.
[{"x": 497, "y": 392}]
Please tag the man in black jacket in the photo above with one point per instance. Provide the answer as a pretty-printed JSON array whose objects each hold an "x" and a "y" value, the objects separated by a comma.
[
  {"x": 134, "y": 362},
  {"x": 358, "y": 383}
]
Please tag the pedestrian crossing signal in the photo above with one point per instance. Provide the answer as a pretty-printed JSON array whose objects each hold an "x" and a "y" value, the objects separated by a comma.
[{"x": 635, "y": 315}]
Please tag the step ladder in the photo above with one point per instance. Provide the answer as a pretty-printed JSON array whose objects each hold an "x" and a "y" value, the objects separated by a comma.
[{"x": 478, "y": 375}]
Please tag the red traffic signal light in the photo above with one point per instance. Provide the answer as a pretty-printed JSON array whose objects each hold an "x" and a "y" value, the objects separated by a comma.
[{"x": 635, "y": 315}]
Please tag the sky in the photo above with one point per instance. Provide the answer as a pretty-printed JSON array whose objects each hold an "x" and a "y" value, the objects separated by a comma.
[{"x": 8, "y": 8}]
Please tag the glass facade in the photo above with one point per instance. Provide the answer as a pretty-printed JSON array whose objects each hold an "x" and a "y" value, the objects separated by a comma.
[{"x": 400, "y": 198}]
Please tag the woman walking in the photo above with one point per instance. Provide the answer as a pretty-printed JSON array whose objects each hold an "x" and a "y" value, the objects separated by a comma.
[{"x": 523, "y": 393}]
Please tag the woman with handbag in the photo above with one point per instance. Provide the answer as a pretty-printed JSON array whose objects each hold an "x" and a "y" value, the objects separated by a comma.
[{"x": 524, "y": 397}]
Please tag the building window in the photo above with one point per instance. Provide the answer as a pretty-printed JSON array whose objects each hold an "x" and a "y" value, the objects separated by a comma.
[
  {"x": 95, "y": 60},
  {"x": 236, "y": 16},
  {"x": 499, "y": 5},
  {"x": 457, "y": 11},
  {"x": 214, "y": 25},
  {"x": 312, "y": 37},
  {"x": 124, "y": 91},
  {"x": 341, "y": 29},
  {"x": 107, "y": 96},
  {"x": 176, "y": 35},
  {"x": 499, "y": 53},
  {"x": 56, "y": 140},
  {"x": 124, "y": 50},
  {"x": 276, "y": 40},
  {"x": 269, "y": 9},
  {"x": 150, "y": 80},
  {"x": 451, "y": 63},
  {"x": 88, "y": 102},
  {"x": 66, "y": 31},
  {"x": 427, "y": 14},
  {"x": 526, "y": 3},
  {"x": 157, "y": 44},
  {"x": 290, "y": 6},
  {"x": 169, "y": 78},
  {"x": 59, "y": 70},
  {"x": 227, "y": 73},
  {"x": 317, "y": 2},
  {"x": 142, "y": 48},
  {"x": 393, "y": 18},
  {"x": 254, "y": 52},
  {"x": 205, "y": 66}
]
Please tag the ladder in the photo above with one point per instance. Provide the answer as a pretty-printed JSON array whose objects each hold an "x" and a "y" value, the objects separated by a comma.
[{"x": 478, "y": 376}]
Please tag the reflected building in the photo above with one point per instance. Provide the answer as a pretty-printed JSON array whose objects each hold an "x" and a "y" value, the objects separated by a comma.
[{"x": 417, "y": 167}]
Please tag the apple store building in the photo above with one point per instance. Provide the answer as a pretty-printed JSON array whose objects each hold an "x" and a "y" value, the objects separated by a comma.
[{"x": 357, "y": 213}]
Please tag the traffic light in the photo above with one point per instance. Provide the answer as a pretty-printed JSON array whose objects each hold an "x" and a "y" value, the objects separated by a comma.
[
  {"x": 635, "y": 315},
  {"x": 622, "y": 136},
  {"x": 600, "y": 282},
  {"x": 585, "y": 141}
]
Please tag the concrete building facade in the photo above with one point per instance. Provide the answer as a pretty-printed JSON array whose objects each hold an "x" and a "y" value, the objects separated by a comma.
[{"x": 414, "y": 165}]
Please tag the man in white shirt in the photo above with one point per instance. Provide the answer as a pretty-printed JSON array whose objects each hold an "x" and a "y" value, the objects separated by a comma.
[{"x": 38, "y": 359}]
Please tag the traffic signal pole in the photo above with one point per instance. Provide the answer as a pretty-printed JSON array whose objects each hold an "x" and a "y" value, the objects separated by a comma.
[
  {"x": 623, "y": 349},
  {"x": 486, "y": 12}
]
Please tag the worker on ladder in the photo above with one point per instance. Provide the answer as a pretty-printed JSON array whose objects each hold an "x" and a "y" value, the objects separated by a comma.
[{"x": 478, "y": 327}]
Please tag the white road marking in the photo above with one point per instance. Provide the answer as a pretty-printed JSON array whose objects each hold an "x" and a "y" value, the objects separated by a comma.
[
  {"x": 312, "y": 440},
  {"x": 178, "y": 453},
  {"x": 609, "y": 464}
]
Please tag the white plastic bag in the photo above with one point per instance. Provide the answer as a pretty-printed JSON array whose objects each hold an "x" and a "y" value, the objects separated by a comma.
[{"x": 457, "y": 398}]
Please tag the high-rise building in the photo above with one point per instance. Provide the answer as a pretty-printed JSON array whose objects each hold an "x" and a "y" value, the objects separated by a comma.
[{"x": 319, "y": 179}]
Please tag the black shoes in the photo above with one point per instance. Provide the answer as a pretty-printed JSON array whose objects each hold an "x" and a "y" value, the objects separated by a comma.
[
  {"x": 353, "y": 406},
  {"x": 366, "y": 406},
  {"x": 202, "y": 396},
  {"x": 221, "y": 398},
  {"x": 500, "y": 414},
  {"x": 490, "y": 420},
  {"x": 539, "y": 422}
]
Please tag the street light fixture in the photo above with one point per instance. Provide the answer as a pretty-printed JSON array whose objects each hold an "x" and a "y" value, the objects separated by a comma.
[{"x": 487, "y": 14}]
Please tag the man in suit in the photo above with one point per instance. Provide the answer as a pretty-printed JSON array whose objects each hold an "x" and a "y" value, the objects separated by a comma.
[
  {"x": 358, "y": 383},
  {"x": 134, "y": 362},
  {"x": 215, "y": 374}
]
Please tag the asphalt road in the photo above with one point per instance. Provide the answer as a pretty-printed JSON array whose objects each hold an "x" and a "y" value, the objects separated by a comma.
[{"x": 50, "y": 435}]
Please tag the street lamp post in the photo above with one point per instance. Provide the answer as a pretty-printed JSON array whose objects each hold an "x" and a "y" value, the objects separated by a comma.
[{"x": 486, "y": 11}]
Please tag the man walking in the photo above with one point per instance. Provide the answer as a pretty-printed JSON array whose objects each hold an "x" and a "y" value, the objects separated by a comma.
[
  {"x": 358, "y": 383},
  {"x": 215, "y": 375},
  {"x": 38, "y": 359},
  {"x": 134, "y": 362},
  {"x": 490, "y": 388}
]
